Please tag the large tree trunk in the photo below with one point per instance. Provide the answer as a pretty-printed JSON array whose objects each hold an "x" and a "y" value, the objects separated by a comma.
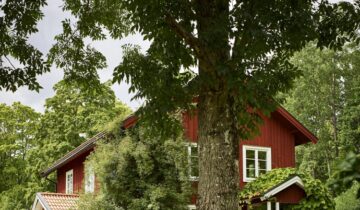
[
  {"x": 218, "y": 144},
  {"x": 218, "y": 156}
]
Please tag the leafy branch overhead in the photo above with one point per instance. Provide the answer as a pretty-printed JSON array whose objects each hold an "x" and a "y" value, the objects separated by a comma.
[
  {"x": 18, "y": 20},
  {"x": 244, "y": 51}
]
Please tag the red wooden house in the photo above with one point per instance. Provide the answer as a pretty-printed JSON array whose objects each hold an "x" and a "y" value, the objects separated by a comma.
[{"x": 273, "y": 148}]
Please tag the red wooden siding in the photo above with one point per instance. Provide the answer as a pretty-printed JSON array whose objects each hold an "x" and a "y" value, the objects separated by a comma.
[
  {"x": 274, "y": 133},
  {"x": 77, "y": 165},
  {"x": 190, "y": 123},
  {"x": 292, "y": 194}
]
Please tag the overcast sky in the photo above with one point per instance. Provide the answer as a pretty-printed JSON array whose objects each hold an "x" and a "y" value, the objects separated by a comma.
[{"x": 43, "y": 40}]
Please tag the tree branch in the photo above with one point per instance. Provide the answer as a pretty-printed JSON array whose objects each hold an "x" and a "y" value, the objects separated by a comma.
[
  {"x": 189, "y": 39},
  {"x": 9, "y": 62}
]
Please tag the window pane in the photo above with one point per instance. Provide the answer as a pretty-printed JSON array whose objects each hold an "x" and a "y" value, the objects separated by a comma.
[
  {"x": 261, "y": 155},
  {"x": 194, "y": 151},
  {"x": 194, "y": 167},
  {"x": 194, "y": 171},
  {"x": 250, "y": 163},
  {"x": 250, "y": 154},
  {"x": 250, "y": 173},
  {"x": 262, "y": 164}
]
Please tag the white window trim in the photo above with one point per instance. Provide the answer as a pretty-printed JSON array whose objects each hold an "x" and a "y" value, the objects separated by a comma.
[
  {"x": 189, "y": 145},
  {"x": 268, "y": 160},
  {"x": 277, "y": 206},
  {"x": 89, "y": 179},
  {"x": 192, "y": 207},
  {"x": 72, "y": 182}
]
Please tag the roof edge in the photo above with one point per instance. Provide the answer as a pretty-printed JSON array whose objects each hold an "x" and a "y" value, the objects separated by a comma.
[
  {"x": 298, "y": 125},
  {"x": 84, "y": 147},
  {"x": 42, "y": 201},
  {"x": 282, "y": 186}
]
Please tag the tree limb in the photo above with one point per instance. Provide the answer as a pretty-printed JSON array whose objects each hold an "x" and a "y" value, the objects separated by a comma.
[{"x": 189, "y": 39}]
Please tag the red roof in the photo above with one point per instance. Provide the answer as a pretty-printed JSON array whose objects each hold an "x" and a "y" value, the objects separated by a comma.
[{"x": 55, "y": 201}]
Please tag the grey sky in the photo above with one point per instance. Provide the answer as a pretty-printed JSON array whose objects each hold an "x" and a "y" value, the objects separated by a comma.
[{"x": 43, "y": 40}]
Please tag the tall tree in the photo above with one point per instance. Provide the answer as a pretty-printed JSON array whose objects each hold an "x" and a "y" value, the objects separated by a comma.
[
  {"x": 350, "y": 120},
  {"x": 18, "y": 125},
  {"x": 241, "y": 49},
  {"x": 30, "y": 142},
  {"x": 72, "y": 115},
  {"x": 326, "y": 100},
  {"x": 317, "y": 101}
]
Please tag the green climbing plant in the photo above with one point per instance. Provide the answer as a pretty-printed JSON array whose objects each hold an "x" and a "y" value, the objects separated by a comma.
[{"x": 317, "y": 194}]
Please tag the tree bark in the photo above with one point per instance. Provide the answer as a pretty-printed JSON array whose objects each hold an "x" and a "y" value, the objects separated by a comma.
[
  {"x": 217, "y": 137},
  {"x": 218, "y": 156}
]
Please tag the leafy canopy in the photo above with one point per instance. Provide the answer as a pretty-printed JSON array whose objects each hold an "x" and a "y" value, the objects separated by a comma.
[
  {"x": 241, "y": 48},
  {"x": 18, "y": 125},
  {"x": 71, "y": 116},
  {"x": 18, "y": 20},
  {"x": 31, "y": 141}
]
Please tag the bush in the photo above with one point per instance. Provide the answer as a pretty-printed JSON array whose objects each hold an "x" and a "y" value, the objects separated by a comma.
[
  {"x": 140, "y": 171},
  {"x": 348, "y": 200}
]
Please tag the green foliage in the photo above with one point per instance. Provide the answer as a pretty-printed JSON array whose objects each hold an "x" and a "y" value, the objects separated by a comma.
[
  {"x": 72, "y": 115},
  {"x": 241, "y": 48},
  {"x": 350, "y": 119},
  {"x": 30, "y": 142},
  {"x": 18, "y": 20},
  {"x": 163, "y": 75},
  {"x": 348, "y": 172},
  {"x": 348, "y": 199},
  {"x": 140, "y": 171},
  {"x": 18, "y": 125},
  {"x": 70, "y": 53},
  {"x": 324, "y": 99},
  {"x": 317, "y": 195}
]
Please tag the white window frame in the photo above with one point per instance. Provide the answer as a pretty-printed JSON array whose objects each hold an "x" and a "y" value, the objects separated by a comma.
[
  {"x": 89, "y": 179},
  {"x": 68, "y": 189},
  {"x": 192, "y": 207},
  {"x": 256, "y": 149},
  {"x": 277, "y": 206},
  {"x": 189, "y": 146}
]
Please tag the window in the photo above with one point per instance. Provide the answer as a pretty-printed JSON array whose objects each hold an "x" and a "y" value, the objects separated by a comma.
[
  {"x": 192, "y": 207},
  {"x": 89, "y": 179},
  {"x": 273, "y": 206},
  {"x": 267, "y": 206},
  {"x": 256, "y": 161},
  {"x": 69, "y": 182},
  {"x": 193, "y": 161}
]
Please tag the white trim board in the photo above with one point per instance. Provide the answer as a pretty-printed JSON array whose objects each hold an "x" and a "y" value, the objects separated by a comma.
[
  {"x": 295, "y": 180},
  {"x": 39, "y": 200}
]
